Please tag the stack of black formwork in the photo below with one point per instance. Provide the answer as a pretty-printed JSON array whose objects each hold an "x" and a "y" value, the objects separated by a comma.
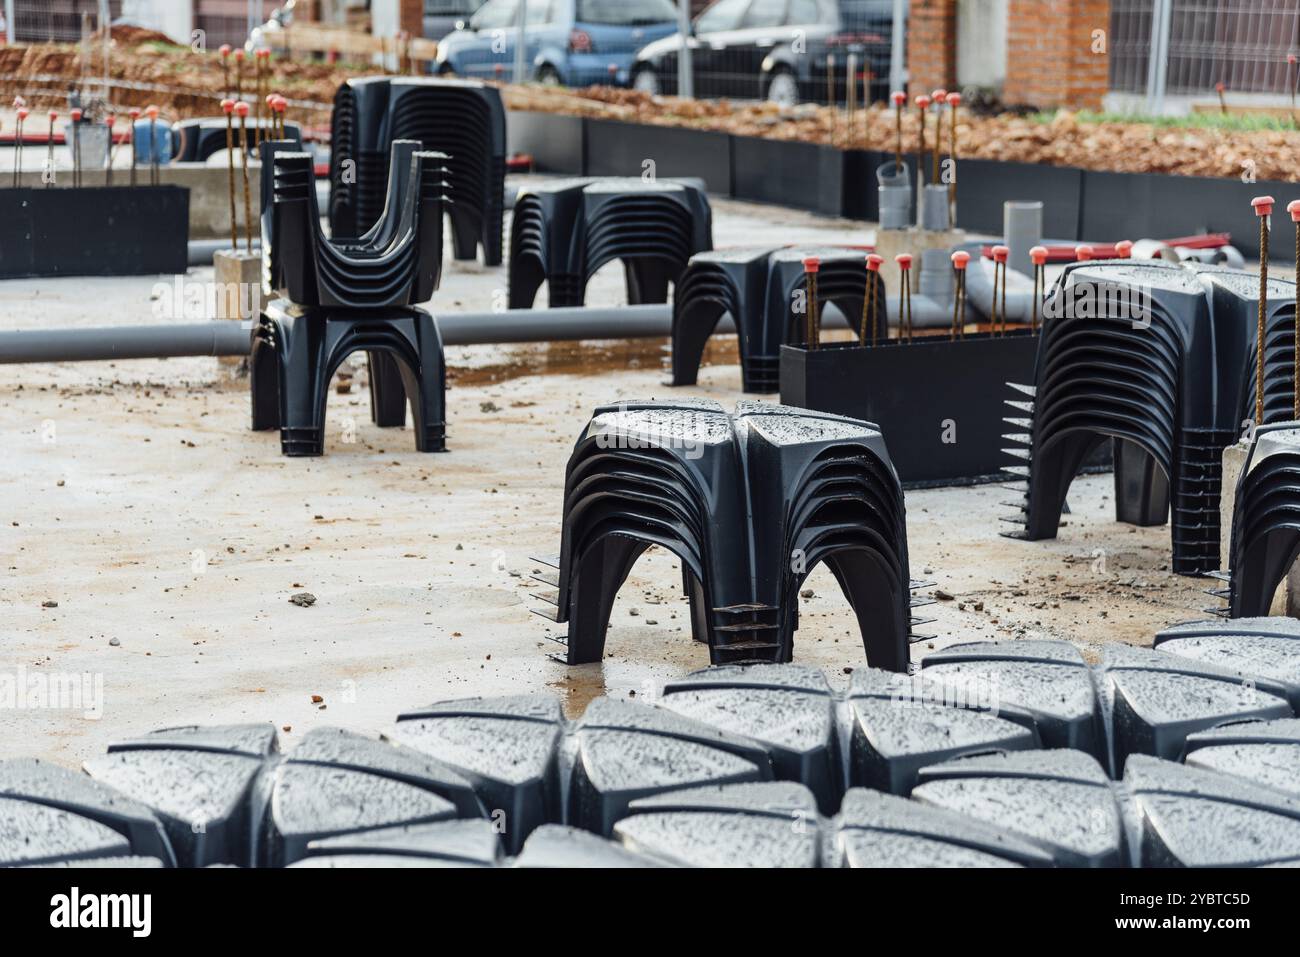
[
  {"x": 563, "y": 232},
  {"x": 1145, "y": 354},
  {"x": 462, "y": 118},
  {"x": 758, "y": 287},
  {"x": 195, "y": 140},
  {"x": 1265, "y": 520},
  {"x": 345, "y": 296},
  {"x": 750, "y": 503}
]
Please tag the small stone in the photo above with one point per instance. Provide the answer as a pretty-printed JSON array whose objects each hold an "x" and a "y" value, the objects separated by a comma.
[
  {"x": 49, "y": 603},
  {"x": 304, "y": 599},
  {"x": 942, "y": 595},
  {"x": 316, "y": 699},
  {"x": 806, "y": 593},
  {"x": 114, "y": 642}
]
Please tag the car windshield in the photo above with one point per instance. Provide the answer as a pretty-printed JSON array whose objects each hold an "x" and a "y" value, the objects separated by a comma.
[
  {"x": 626, "y": 13},
  {"x": 723, "y": 15}
]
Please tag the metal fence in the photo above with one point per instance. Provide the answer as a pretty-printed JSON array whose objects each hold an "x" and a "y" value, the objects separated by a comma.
[
  {"x": 56, "y": 21},
  {"x": 1242, "y": 44}
]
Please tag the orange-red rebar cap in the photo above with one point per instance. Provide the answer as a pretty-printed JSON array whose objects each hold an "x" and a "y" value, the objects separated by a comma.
[
  {"x": 1083, "y": 253},
  {"x": 904, "y": 260},
  {"x": 875, "y": 261},
  {"x": 1293, "y": 208},
  {"x": 1039, "y": 255},
  {"x": 1263, "y": 205},
  {"x": 1000, "y": 254},
  {"x": 960, "y": 259},
  {"x": 812, "y": 264}
]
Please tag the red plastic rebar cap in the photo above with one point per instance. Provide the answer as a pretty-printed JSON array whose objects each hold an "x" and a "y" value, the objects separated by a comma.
[
  {"x": 241, "y": 108},
  {"x": 53, "y": 115},
  {"x": 938, "y": 97},
  {"x": 1083, "y": 253},
  {"x": 1124, "y": 249},
  {"x": 1263, "y": 205},
  {"x": 923, "y": 101},
  {"x": 263, "y": 53},
  {"x": 954, "y": 99},
  {"x": 134, "y": 112},
  {"x": 227, "y": 106},
  {"x": 1219, "y": 87},
  {"x": 1293, "y": 208},
  {"x": 875, "y": 261},
  {"x": 22, "y": 114},
  {"x": 812, "y": 264},
  {"x": 280, "y": 104},
  {"x": 225, "y": 49},
  {"x": 239, "y": 54},
  {"x": 904, "y": 260},
  {"x": 1000, "y": 254},
  {"x": 898, "y": 97},
  {"x": 960, "y": 259},
  {"x": 1290, "y": 58},
  {"x": 151, "y": 112},
  {"x": 76, "y": 116},
  {"x": 1039, "y": 255},
  {"x": 110, "y": 119}
]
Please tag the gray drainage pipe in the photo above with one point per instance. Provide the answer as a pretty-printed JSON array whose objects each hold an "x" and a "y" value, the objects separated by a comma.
[{"x": 172, "y": 340}]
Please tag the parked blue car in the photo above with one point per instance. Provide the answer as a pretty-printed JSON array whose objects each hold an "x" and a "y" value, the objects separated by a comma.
[{"x": 570, "y": 42}]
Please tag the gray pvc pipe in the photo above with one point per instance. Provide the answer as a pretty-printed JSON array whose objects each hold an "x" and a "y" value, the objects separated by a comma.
[
  {"x": 1022, "y": 230},
  {"x": 173, "y": 340}
]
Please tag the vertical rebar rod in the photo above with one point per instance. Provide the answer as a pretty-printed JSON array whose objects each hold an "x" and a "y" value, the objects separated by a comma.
[
  {"x": 228, "y": 107},
  {"x": 1263, "y": 206},
  {"x": 922, "y": 103},
  {"x": 850, "y": 96},
  {"x": 954, "y": 101},
  {"x": 18, "y": 154},
  {"x": 49, "y": 152},
  {"x": 134, "y": 115},
  {"x": 242, "y": 109},
  {"x": 830, "y": 91},
  {"x": 75, "y": 127},
  {"x": 899, "y": 100},
  {"x": 812, "y": 331},
  {"x": 110, "y": 121}
]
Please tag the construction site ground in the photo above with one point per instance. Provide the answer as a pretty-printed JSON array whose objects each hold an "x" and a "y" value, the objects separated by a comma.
[{"x": 153, "y": 542}]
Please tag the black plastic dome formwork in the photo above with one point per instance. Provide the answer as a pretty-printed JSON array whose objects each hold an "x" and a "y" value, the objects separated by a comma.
[
  {"x": 1128, "y": 352},
  {"x": 562, "y": 233},
  {"x": 750, "y": 503},
  {"x": 196, "y": 140},
  {"x": 346, "y": 296},
  {"x": 398, "y": 262},
  {"x": 462, "y": 118},
  {"x": 759, "y": 288}
]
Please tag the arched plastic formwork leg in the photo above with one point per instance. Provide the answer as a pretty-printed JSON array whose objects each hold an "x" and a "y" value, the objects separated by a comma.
[
  {"x": 264, "y": 384},
  {"x": 428, "y": 386},
  {"x": 1258, "y": 570},
  {"x": 387, "y": 391},
  {"x": 693, "y": 325},
  {"x": 464, "y": 236},
  {"x": 881, "y": 606},
  {"x": 524, "y": 279},
  {"x": 1052, "y": 472},
  {"x": 648, "y": 280},
  {"x": 596, "y": 576},
  {"x": 1141, "y": 486},
  {"x": 699, "y": 604},
  {"x": 301, "y": 348}
]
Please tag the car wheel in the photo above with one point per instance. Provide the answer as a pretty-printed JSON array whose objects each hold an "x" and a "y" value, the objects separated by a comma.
[
  {"x": 645, "y": 81},
  {"x": 549, "y": 76},
  {"x": 783, "y": 89}
]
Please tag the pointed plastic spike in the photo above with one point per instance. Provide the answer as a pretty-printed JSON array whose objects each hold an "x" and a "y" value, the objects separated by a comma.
[
  {"x": 1223, "y": 576},
  {"x": 1023, "y": 438},
  {"x": 1020, "y": 470},
  {"x": 548, "y": 614},
  {"x": 916, "y": 583},
  {"x": 1019, "y": 423},
  {"x": 551, "y": 560},
  {"x": 917, "y": 639},
  {"x": 1022, "y": 406},
  {"x": 547, "y": 579},
  {"x": 922, "y": 602},
  {"x": 1018, "y": 454},
  {"x": 1026, "y": 389}
]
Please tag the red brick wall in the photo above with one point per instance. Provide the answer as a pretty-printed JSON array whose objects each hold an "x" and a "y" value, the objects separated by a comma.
[
  {"x": 932, "y": 45},
  {"x": 1050, "y": 58},
  {"x": 411, "y": 17}
]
